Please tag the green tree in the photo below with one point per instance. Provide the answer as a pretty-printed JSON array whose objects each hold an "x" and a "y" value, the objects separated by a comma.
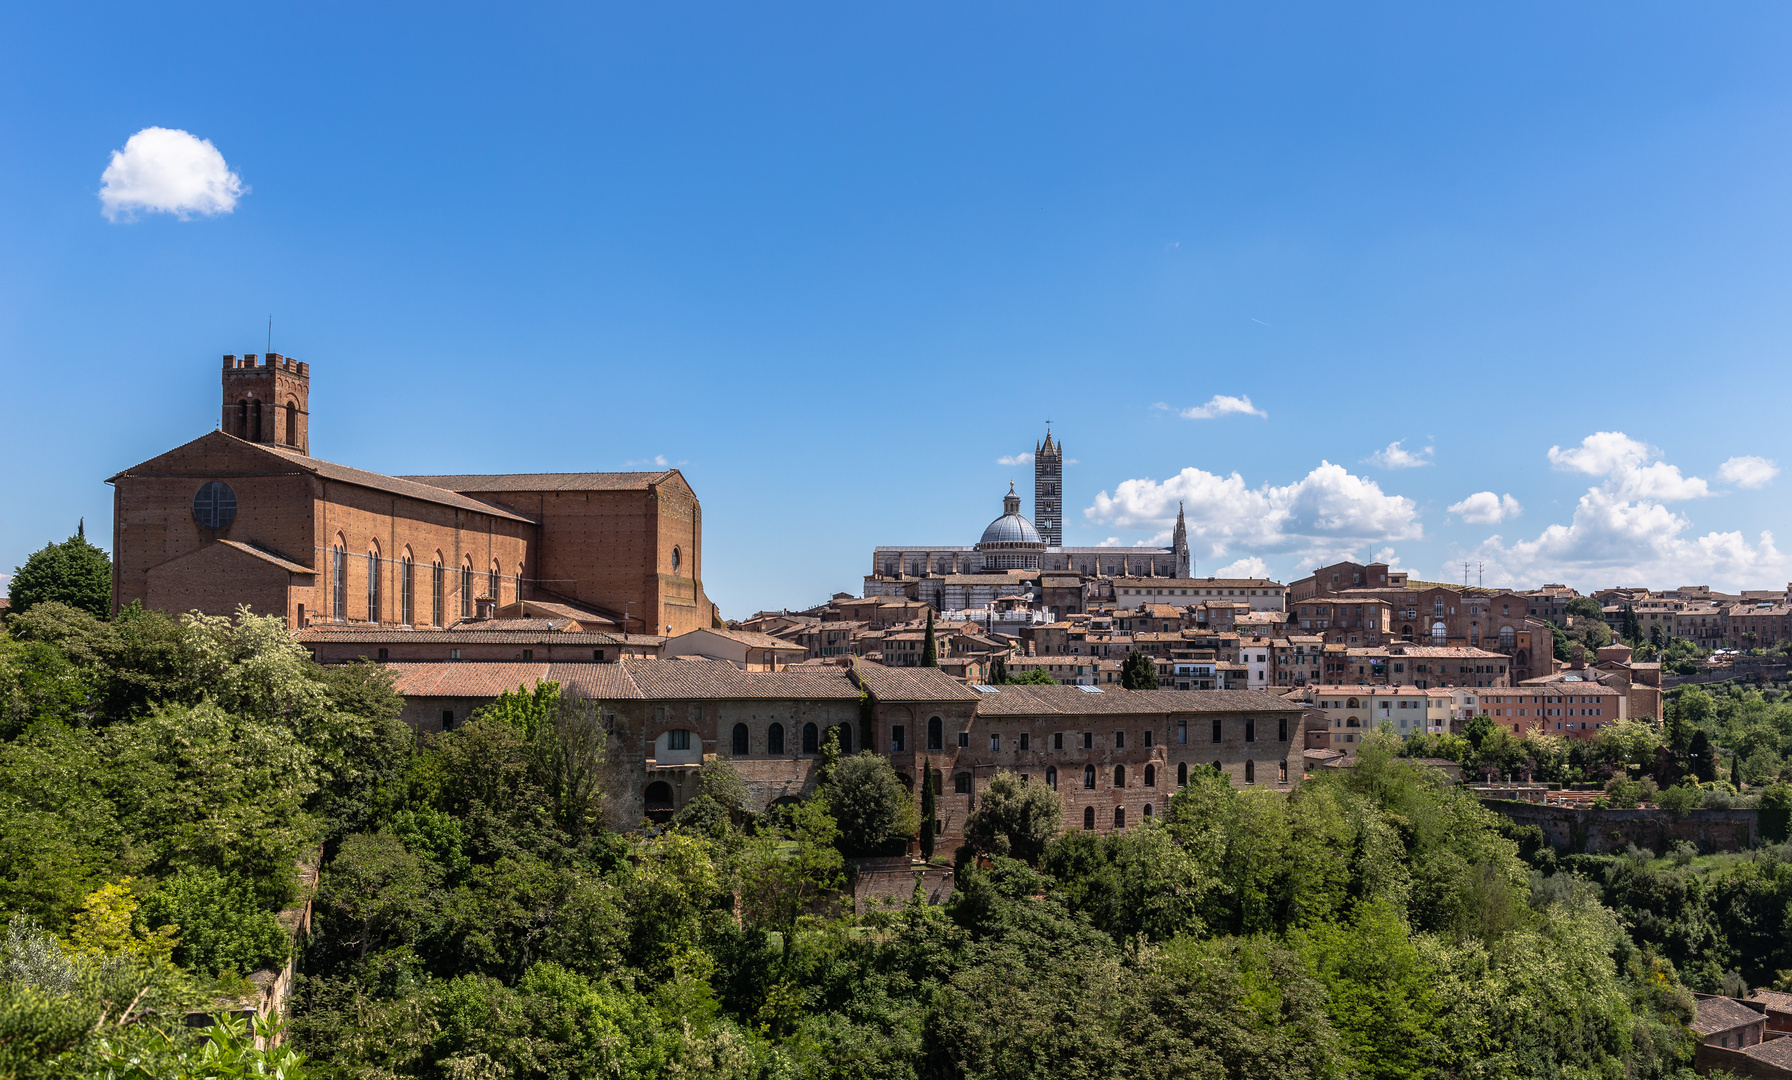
[
  {"x": 998, "y": 670},
  {"x": 1382, "y": 994},
  {"x": 784, "y": 874},
  {"x": 929, "y": 813},
  {"x": 1585, "y": 607},
  {"x": 1631, "y": 628},
  {"x": 1032, "y": 677},
  {"x": 1657, "y": 637},
  {"x": 1138, "y": 672},
  {"x": 73, "y": 572},
  {"x": 1014, "y": 819},
  {"x": 870, "y": 803},
  {"x": 222, "y": 925},
  {"x": 930, "y": 655},
  {"x": 1703, "y": 757}
]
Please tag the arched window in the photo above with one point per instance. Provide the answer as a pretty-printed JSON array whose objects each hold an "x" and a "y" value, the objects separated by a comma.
[
  {"x": 961, "y": 784},
  {"x": 1250, "y": 772},
  {"x": 936, "y": 738},
  {"x": 373, "y": 584},
  {"x": 519, "y": 583},
  {"x": 1147, "y": 810},
  {"x": 811, "y": 734},
  {"x": 1119, "y": 817},
  {"x": 1151, "y": 776},
  {"x": 1406, "y": 632},
  {"x": 1089, "y": 777},
  {"x": 740, "y": 740},
  {"x": 1119, "y": 776},
  {"x": 292, "y": 423},
  {"x": 1508, "y": 637},
  {"x": 339, "y": 581},
  {"x": 1220, "y": 771},
  {"x": 1351, "y": 704},
  {"x": 677, "y": 559},
  {"x": 1051, "y": 777},
  {"x": 845, "y": 738},
  {"x": 774, "y": 739},
  {"x": 466, "y": 589},
  {"x": 1439, "y": 633},
  {"x": 1088, "y": 819},
  {"x": 242, "y": 419},
  {"x": 1182, "y": 774},
  {"x": 491, "y": 585},
  {"x": 435, "y": 591},
  {"x": 407, "y": 589}
]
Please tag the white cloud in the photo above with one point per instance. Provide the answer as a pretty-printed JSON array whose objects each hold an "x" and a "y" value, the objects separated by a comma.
[
  {"x": 1396, "y": 457},
  {"x": 1387, "y": 557},
  {"x": 1112, "y": 541},
  {"x": 1329, "y": 511},
  {"x": 1486, "y": 508},
  {"x": 165, "y": 171},
  {"x": 1748, "y": 471},
  {"x": 1251, "y": 566},
  {"x": 1619, "y": 458},
  {"x": 1600, "y": 454},
  {"x": 1016, "y": 459},
  {"x": 657, "y": 459},
  {"x": 1622, "y": 531},
  {"x": 1221, "y": 405}
]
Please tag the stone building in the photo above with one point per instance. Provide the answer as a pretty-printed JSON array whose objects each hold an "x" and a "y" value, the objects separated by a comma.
[
  {"x": 245, "y": 515},
  {"x": 1115, "y": 756}
]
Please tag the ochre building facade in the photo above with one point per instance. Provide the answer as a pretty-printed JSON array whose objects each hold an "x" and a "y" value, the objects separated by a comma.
[{"x": 245, "y": 515}]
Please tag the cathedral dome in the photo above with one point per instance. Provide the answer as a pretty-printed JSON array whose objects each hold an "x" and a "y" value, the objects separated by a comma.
[{"x": 1011, "y": 531}]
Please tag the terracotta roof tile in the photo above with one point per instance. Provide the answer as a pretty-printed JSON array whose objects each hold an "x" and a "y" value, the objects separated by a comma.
[
  {"x": 518, "y": 482},
  {"x": 1112, "y": 701},
  {"x": 714, "y": 679},
  {"x": 910, "y": 684},
  {"x": 1716, "y": 1014}
]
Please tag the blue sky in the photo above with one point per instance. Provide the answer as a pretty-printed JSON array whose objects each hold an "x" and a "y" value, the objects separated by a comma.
[{"x": 836, "y": 265}]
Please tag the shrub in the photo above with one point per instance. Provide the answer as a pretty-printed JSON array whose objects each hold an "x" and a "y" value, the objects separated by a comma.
[{"x": 221, "y": 926}]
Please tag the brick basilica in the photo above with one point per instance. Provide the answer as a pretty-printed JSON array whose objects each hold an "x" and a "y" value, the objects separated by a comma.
[{"x": 245, "y": 515}]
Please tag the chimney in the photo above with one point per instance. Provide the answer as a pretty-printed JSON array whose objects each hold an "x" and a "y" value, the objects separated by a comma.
[{"x": 483, "y": 607}]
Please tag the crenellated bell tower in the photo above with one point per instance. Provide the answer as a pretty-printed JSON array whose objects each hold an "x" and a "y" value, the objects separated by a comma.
[{"x": 268, "y": 402}]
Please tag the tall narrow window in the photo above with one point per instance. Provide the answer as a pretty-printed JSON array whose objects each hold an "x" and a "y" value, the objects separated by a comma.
[
  {"x": 435, "y": 592},
  {"x": 1088, "y": 819},
  {"x": 774, "y": 739},
  {"x": 373, "y": 585},
  {"x": 1182, "y": 774},
  {"x": 935, "y": 734},
  {"x": 740, "y": 740},
  {"x": 1119, "y": 817},
  {"x": 466, "y": 589},
  {"x": 1051, "y": 777},
  {"x": 1151, "y": 776},
  {"x": 1089, "y": 777},
  {"x": 845, "y": 738},
  {"x": 338, "y": 584},
  {"x": 1250, "y": 772},
  {"x": 1119, "y": 776},
  {"x": 1119, "y": 740},
  {"x": 1182, "y": 731},
  {"x": 1216, "y": 731},
  {"x": 1250, "y": 730},
  {"x": 292, "y": 424},
  {"x": 407, "y": 591},
  {"x": 491, "y": 589},
  {"x": 1282, "y": 728},
  {"x": 811, "y": 736}
]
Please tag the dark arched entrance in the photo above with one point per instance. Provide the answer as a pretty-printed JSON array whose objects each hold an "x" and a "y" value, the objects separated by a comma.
[{"x": 658, "y": 802}]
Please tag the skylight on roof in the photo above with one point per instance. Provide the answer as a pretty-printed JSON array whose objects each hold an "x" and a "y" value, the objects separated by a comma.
[
  {"x": 985, "y": 688},
  {"x": 1090, "y": 689}
]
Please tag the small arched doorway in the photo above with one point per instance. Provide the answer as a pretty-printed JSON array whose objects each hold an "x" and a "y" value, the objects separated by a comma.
[{"x": 657, "y": 802}]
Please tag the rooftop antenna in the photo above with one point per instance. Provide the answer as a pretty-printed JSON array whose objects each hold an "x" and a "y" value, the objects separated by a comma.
[
  {"x": 1480, "y": 579},
  {"x": 270, "y": 333},
  {"x": 1465, "y": 573}
]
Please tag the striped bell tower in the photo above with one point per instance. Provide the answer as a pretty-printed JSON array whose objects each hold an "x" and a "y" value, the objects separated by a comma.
[{"x": 1048, "y": 490}]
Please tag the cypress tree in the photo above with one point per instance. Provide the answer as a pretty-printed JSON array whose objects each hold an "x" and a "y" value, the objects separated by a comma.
[
  {"x": 930, "y": 656},
  {"x": 1632, "y": 627},
  {"x": 927, "y": 809},
  {"x": 998, "y": 670}
]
